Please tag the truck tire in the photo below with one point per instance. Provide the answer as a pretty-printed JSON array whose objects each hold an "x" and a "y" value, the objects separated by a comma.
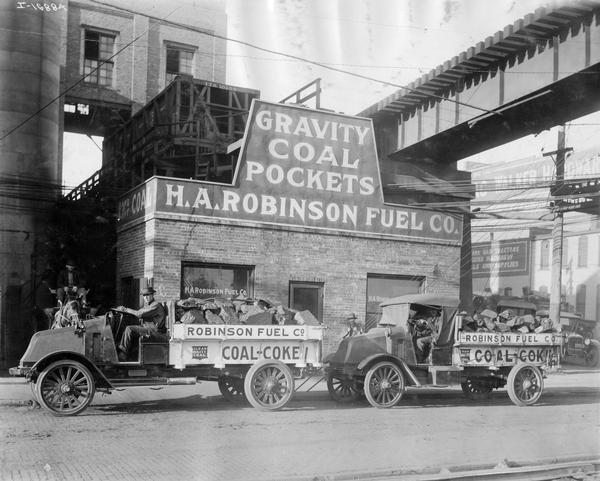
[
  {"x": 476, "y": 389},
  {"x": 65, "y": 388},
  {"x": 269, "y": 385},
  {"x": 343, "y": 389},
  {"x": 232, "y": 388},
  {"x": 384, "y": 385},
  {"x": 525, "y": 384}
]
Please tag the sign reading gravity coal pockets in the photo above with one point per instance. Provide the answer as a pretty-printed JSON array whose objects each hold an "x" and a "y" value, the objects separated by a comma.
[{"x": 305, "y": 168}]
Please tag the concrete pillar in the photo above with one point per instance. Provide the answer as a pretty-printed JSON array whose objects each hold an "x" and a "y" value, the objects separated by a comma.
[{"x": 30, "y": 45}]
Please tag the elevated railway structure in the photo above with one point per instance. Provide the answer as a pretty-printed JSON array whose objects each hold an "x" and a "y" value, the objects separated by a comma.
[{"x": 541, "y": 71}]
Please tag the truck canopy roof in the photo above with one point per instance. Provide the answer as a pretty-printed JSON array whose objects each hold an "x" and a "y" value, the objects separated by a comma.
[{"x": 423, "y": 299}]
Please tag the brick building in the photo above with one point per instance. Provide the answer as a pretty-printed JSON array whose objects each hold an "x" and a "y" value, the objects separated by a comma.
[
  {"x": 81, "y": 67},
  {"x": 142, "y": 54},
  {"x": 304, "y": 223}
]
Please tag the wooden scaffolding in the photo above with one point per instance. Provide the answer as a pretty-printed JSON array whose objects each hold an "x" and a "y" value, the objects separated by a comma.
[{"x": 183, "y": 132}]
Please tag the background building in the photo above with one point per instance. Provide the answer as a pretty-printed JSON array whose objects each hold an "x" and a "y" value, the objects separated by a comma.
[
  {"x": 82, "y": 67},
  {"x": 512, "y": 247}
]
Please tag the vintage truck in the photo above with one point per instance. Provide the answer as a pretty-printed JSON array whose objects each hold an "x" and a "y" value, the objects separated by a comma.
[
  {"x": 382, "y": 362},
  {"x": 66, "y": 366}
]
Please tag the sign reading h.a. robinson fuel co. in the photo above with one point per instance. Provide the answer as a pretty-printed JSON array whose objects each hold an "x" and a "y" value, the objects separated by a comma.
[{"x": 302, "y": 168}]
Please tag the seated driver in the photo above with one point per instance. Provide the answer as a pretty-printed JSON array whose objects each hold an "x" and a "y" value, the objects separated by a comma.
[
  {"x": 152, "y": 318},
  {"x": 425, "y": 328}
]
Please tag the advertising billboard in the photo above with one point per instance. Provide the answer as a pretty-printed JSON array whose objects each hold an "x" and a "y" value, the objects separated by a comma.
[{"x": 301, "y": 168}]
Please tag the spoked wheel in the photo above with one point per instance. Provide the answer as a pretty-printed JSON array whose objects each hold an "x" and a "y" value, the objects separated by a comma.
[
  {"x": 65, "y": 388},
  {"x": 343, "y": 389},
  {"x": 476, "y": 389},
  {"x": 232, "y": 388},
  {"x": 384, "y": 385},
  {"x": 525, "y": 384},
  {"x": 269, "y": 385}
]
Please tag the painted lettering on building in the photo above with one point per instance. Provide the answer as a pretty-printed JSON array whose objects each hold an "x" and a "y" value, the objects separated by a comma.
[
  {"x": 306, "y": 168},
  {"x": 500, "y": 257}
]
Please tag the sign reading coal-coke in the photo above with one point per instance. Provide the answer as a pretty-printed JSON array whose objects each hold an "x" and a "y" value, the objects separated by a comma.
[
  {"x": 306, "y": 168},
  {"x": 501, "y": 257}
]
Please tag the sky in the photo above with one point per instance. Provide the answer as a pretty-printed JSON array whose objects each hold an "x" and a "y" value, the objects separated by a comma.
[{"x": 392, "y": 42}]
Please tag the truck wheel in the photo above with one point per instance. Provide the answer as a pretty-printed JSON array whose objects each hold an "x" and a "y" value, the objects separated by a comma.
[
  {"x": 232, "y": 388},
  {"x": 476, "y": 389},
  {"x": 384, "y": 385},
  {"x": 65, "y": 388},
  {"x": 592, "y": 357},
  {"x": 525, "y": 384},
  {"x": 343, "y": 389},
  {"x": 269, "y": 385}
]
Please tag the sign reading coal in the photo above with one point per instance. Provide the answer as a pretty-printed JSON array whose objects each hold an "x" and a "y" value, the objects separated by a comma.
[{"x": 306, "y": 168}]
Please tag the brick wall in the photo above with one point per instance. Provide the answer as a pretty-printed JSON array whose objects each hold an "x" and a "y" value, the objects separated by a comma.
[{"x": 278, "y": 256}]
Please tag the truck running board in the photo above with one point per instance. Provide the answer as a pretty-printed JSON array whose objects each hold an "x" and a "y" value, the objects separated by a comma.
[{"x": 153, "y": 381}]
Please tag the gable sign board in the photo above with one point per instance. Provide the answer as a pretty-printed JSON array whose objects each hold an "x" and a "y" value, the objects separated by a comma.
[{"x": 298, "y": 167}]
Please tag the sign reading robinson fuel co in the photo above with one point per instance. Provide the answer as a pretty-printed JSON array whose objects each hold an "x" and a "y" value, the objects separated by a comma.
[{"x": 298, "y": 167}]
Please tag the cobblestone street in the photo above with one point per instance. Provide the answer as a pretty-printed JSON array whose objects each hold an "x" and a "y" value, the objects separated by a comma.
[{"x": 193, "y": 433}]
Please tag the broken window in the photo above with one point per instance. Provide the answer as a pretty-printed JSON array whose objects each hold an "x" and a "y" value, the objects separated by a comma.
[
  {"x": 179, "y": 62},
  {"x": 97, "y": 52}
]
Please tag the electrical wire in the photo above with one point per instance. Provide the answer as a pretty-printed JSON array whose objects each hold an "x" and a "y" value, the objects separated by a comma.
[
  {"x": 301, "y": 59},
  {"x": 72, "y": 86}
]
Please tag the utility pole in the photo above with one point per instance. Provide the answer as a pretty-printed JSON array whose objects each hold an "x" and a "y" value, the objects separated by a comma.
[{"x": 557, "y": 228}]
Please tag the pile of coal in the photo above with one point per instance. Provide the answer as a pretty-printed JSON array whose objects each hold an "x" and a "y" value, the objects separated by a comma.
[
  {"x": 507, "y": 321},
  {"x": 248, "y": 311}
]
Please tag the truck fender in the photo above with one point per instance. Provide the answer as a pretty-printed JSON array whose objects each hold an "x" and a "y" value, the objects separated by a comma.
[
  {"x": 100, "y": 378},
  {"x": 368, "y": 361}
]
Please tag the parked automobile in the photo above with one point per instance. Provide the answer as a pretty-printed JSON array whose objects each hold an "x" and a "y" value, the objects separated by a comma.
[
  {"x": 67, "y": 365},
  {"x": 386, "y": 359},
  {"x": 579, "y": 345}
]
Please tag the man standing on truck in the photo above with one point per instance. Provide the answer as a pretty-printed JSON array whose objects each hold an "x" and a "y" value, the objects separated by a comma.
[{"x": 152, "y": 323}]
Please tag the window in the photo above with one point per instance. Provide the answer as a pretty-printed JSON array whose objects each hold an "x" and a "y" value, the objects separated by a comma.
[
  {"x": 204, "y": 281},
  {"x": 580, "y": 299},
  {"x": 98, "y": 48},
  {"x": 179, "y": 61},
  {"x": 307, "y": 296},
  {"x": 545, "y": 255},
  {"x": 381, "y": 287},
  {"x": 582, "y": 252}
]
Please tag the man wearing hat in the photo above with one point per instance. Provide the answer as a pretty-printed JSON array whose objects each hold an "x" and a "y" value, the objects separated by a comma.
[
  {"x": 70, "y": 280},
  {"x": 152, "y": 323}
]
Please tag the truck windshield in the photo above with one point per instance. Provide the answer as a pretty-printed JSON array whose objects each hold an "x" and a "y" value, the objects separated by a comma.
[{"x": 394, "y": 315}]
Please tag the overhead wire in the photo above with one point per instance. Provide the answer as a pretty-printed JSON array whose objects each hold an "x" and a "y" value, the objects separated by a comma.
[
  {"x": 297, "y": 57},
  {"x": 81, "y": 79}
]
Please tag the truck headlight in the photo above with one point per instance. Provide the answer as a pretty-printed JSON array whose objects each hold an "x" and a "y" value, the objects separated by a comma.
[{"x": 587, "y": 341}]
